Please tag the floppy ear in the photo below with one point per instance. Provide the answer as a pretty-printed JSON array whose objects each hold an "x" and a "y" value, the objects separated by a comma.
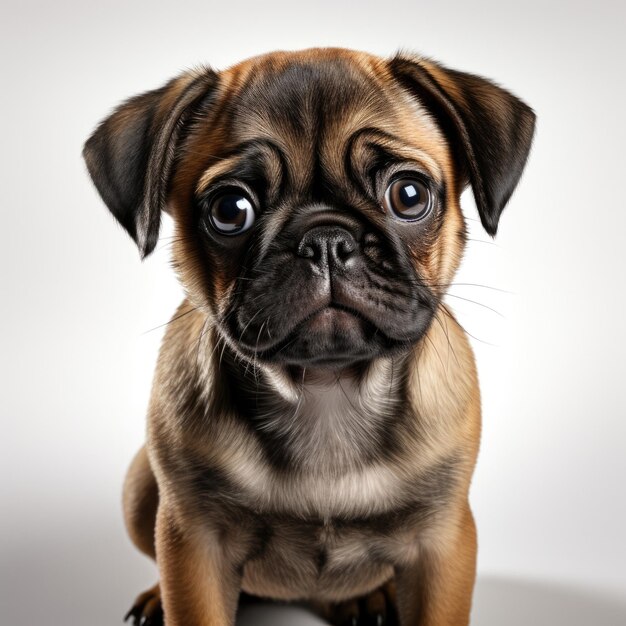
[
  {"x": 130, "y": 154},
  {"x": 491, "y": 130}
]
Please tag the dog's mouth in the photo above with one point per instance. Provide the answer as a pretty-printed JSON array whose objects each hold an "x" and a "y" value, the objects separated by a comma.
[
  {"x": 334, "y": 318},
  {"x": 332, "y": 335}
]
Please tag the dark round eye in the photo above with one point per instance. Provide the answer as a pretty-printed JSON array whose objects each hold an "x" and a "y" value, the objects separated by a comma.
[
  {"x": 231, "y": 213},
  {"x": 408, "y": 199}
]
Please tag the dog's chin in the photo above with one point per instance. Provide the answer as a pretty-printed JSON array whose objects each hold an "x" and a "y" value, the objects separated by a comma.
[{"x": 332, "y": 337}]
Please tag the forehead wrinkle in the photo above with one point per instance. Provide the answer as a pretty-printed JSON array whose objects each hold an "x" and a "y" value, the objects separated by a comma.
[
  {"x": 410, "y": 131},
  {"x": 340, "y": 133},
  {"x": 263, "y": 101},
  {"x": 299, "y": 102},
  {"x": 272, "y": 166},
  {"x": 222, "y": 167},
  {"x": 406, "y": 152},
  {"x": 297, "y": 155}
]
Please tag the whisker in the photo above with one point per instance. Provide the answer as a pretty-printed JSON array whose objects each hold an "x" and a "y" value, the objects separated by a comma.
[
  {"x": 490, "y": 243},
  {"x": 485, "y": 306},
  {"x": 447, "y": 313},
  {"x": 447, "y": 334},
  {"x": 172, "y": 320},
  {"x": 432, "y": 343}
]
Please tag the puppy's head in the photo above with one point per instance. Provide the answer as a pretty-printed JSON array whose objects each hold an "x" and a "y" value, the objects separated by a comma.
[{"x": 315, "y": 193}]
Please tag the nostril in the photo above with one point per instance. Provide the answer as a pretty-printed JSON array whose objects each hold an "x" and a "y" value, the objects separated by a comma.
[
  {"x": 306, "y": 252},
  {"x": 313, "y": 250},
  {"x": 327, "y": 245},
  {"x": 345, "y": 247}
]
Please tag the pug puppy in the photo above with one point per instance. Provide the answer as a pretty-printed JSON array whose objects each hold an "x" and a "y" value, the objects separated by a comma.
[{"x": 315, "y": 415}]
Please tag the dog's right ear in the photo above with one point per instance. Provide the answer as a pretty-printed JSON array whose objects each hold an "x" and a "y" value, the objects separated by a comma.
[{"x": 130, "y": 154}]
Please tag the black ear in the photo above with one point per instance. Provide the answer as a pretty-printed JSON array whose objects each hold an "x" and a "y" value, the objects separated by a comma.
[
  {"x": 130, "y": 154},
  {"x": 490, "y": 130}
]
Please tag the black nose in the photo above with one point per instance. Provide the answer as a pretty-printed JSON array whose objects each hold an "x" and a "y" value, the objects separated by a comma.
[{"x": 327, "y": 246}]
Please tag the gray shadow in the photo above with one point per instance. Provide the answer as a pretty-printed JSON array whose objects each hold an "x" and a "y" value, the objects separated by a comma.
[
  {"x": 277, "y": 615},
  {"x": 511, "y": 602},
  {"x": 91, "y": 577},
  {"x": 497, "y": 602}
]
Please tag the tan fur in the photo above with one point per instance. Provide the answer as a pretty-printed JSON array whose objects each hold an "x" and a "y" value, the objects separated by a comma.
[
  {"x": 445, "y": 396},
  {"x": 285, "y": 535}
]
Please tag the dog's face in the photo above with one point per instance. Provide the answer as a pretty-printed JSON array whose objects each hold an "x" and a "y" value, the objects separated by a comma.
[
  {"x": 317, "y": 210},
  {"x": 315, "y": 194}
]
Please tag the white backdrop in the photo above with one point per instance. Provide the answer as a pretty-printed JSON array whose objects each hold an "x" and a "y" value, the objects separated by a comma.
[{"x": 78, "y": 307}]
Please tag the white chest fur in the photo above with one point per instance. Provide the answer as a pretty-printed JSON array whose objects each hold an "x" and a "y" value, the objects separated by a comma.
[
  {"x": 330, "y": 427},
  {"x": 331, "y": 430}
]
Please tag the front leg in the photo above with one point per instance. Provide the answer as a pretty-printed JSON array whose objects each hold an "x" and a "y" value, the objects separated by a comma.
[
  {"x": 199, "y": 585},
  {"x": 437, "y": 589}
]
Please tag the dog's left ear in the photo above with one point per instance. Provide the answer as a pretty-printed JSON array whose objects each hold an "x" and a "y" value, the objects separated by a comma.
[
  {"x": 491, "y": 130},
  {"x": 131, "y": 153}
]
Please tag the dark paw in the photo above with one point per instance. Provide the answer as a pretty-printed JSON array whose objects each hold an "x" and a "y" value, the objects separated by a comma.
[
  {"x": 374, "y": 609},
  {"x": 377, "y": 609},
  {"x": 147, "y": 610}
]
